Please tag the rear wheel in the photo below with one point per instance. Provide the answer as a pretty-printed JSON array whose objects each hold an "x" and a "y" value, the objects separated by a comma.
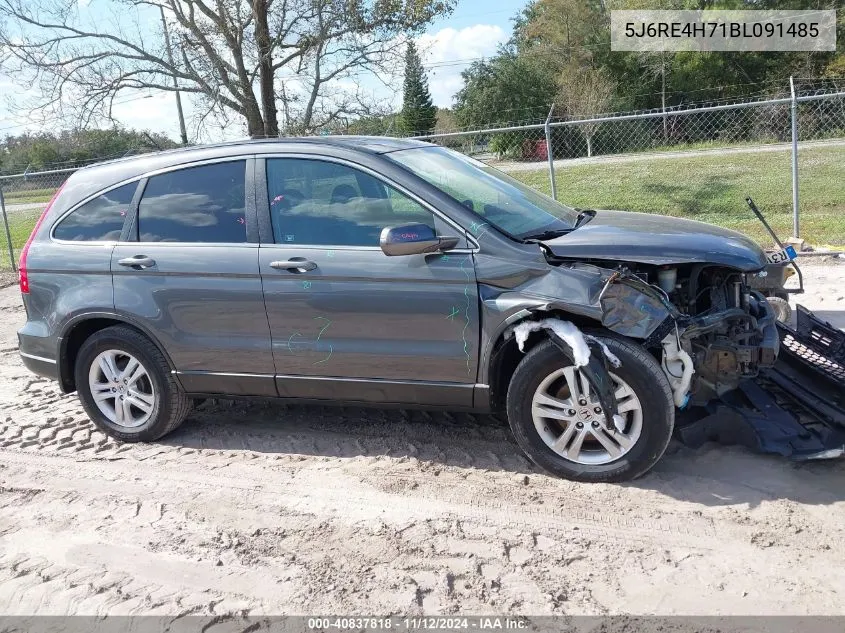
[
  {"x": 557, "y": 419},
  {"x": 126, "y": 388}
]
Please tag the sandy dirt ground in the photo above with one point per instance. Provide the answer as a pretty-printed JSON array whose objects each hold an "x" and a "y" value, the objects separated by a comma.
[{"x": 274, "y": 509}]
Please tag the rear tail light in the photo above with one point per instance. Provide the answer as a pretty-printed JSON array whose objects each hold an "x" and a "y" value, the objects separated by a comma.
[{"x": 22, "y": 274}]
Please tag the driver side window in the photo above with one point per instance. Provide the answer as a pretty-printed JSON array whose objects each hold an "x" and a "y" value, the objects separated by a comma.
[{"x": 321, "y": 203}]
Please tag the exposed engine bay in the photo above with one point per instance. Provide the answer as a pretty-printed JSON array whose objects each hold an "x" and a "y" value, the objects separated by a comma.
[{"x": 713, "y": 329}]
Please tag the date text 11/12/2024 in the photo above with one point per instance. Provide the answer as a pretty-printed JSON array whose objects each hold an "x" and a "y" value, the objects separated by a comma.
[{"x": 418, "y": 623}]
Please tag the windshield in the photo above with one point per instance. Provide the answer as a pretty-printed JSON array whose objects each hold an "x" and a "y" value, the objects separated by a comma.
[{"x": 499, "y": 200}]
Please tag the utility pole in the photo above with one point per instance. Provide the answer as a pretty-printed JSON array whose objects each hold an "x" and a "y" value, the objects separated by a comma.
[
  {"x": 794, "y": 159},
  {"x": 182, "y": 130}
]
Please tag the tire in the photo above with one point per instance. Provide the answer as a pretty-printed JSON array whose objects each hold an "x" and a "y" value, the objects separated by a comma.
[
  {"x": 782, "y": 309},
  {"x": 648, "y": 420},
  {"x": 164, "y": 404}
]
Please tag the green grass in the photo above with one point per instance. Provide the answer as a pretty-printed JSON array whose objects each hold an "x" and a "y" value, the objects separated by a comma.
[
  {"x": 713, "y": 189},
  {"x": 20, "y": 226},
  {"x": 28, "y": 196}
]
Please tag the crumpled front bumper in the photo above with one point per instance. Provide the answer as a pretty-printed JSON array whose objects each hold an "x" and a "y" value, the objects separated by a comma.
[{"x": 795, "y": 408}]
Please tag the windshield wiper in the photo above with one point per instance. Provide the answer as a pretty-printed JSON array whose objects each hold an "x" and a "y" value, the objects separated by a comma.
[
  {"x": 584, "y": 216},
  {"x": 546, "y": 235}
]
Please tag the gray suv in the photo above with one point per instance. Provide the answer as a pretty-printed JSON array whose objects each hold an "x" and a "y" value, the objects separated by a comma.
[{"x": 383, "y": 271}]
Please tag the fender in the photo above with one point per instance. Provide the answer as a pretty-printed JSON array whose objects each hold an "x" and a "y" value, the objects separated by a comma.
[
  {"x": 62, "y": 339},
  {"x": 488, "y": 357}
]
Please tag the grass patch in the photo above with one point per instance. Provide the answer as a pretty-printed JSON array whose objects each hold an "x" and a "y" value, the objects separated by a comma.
[
  {"x": 20, "y": 226},
  {"x": 713, "y": 188},
  {"x": 28, "y": 196}
]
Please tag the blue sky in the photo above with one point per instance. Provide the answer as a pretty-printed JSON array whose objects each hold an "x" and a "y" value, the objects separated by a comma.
[{"x": 475, "y": 29}]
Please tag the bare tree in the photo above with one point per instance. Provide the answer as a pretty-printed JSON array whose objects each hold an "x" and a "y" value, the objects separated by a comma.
[
  {"x": 237, "y": 56},
  {"x": 585, "y": 93}
]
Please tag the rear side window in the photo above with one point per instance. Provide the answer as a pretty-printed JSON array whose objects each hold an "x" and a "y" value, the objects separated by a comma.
[
  {"x": 196, "y": 204},
  {"x": 98, "y": 220}
]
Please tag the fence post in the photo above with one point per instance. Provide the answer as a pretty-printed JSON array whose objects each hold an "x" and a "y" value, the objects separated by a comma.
[
  {"x": 794, "y": 159},
  {"x": 8, "y": 232},
  {"x": 549, "y": 153}
]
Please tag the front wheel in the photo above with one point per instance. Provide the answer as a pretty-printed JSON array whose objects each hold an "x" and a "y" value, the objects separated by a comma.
[{"x": 557, "y": 419}]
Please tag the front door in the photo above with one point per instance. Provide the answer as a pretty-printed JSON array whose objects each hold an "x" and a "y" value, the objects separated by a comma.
[
  {"x": 347, "y": 321},
  {"x": 188, "y": 274}
]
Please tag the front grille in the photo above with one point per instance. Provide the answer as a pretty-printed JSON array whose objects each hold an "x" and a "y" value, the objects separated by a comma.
[
  {"x": 818, "y": 344},
  {"x": 822, "y": 337},
  {"x": 819, "y": 362}
]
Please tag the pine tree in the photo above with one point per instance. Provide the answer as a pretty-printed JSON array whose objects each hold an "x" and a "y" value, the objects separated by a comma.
[{"x": 418, "y": 113}]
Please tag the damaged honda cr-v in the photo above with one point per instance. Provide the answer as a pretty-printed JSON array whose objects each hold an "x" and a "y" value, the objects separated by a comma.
[{"x": 386, "y": 271}]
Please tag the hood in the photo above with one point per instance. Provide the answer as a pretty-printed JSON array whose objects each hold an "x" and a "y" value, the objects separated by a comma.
[{"x": 657, "y": 239}]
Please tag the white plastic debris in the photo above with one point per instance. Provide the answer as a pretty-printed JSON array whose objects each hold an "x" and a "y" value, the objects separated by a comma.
[
  {"x": 678, "y": 367},
  {"x": 619, "y": 423},
  {"x": 574, "y": 337},
  {"x": 613, "y": 358},
  {"x": 564, "y": 329}
]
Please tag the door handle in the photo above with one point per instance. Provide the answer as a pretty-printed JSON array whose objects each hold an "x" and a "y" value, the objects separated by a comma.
[
  {"x": 141, "y": 261},
  {"x": 298, "y": 264}
]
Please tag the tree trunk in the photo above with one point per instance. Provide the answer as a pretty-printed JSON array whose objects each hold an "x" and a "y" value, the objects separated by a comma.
[
  {"x": 308, "y": 114},
  {"x": 254, "y": 120},
  {"x": 266, "y": 77},
  {"x": 589, "y": 138}
]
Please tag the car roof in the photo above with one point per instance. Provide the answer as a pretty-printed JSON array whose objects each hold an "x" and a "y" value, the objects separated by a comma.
[{"x": 366, "y": 144}]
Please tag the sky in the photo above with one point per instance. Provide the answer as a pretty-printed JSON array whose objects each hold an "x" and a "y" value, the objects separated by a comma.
[{"x": 475, "y": 29}]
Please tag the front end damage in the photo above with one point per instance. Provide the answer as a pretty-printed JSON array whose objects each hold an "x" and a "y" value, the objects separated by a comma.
[
  {"x": 795, "y": 408},
  {"x": 712, "y": 330},
  {"x": 755, "y": 382},
  {"x": 737, "y": 375}
]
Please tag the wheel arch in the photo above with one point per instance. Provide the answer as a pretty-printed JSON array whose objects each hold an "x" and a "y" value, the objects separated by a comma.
[
  {"x": 81, "y": 328},
  {"x": 505, "y": 354}
]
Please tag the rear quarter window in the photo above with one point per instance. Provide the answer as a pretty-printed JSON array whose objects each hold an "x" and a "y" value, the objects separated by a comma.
[{"x": 98, "y": 220}]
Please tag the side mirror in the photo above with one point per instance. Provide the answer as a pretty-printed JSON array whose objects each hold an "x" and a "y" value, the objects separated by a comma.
[{"x": 413, "y": 239}]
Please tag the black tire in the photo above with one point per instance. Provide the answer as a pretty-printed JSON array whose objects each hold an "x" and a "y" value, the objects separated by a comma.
[
  {"x": 171, "y": 405},
  {"x": 644, "y": 375},
  {"x": 783, "y": 311}
]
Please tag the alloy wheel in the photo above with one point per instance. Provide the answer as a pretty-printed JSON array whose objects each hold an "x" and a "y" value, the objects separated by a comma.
[
  {"x": 569, "y": 418},
  {"x": 121, "y": 388}
]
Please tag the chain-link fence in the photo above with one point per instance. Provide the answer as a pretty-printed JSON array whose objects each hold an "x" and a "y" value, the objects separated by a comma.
[
  {"x": 24, "y": 197},
  {"x": 697, "y": 162}
]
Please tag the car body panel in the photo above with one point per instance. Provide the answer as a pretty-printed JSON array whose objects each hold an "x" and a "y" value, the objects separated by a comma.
[
  {"x": 657, "y": 239},
  {"x": 204, "y": 304},
  {"x": 360, "y": 314},
  {"x": 65, "y": 280}
]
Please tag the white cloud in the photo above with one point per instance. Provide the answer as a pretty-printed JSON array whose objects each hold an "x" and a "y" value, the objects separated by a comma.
[
  {"x": 449, "y": 51},
  {"x": 156, "y": 112}
]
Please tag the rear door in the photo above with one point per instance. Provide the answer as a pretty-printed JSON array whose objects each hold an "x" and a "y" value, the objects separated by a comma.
[
  {"x": 347, "y": 321},
  {"x": 188, "y": 273}
]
